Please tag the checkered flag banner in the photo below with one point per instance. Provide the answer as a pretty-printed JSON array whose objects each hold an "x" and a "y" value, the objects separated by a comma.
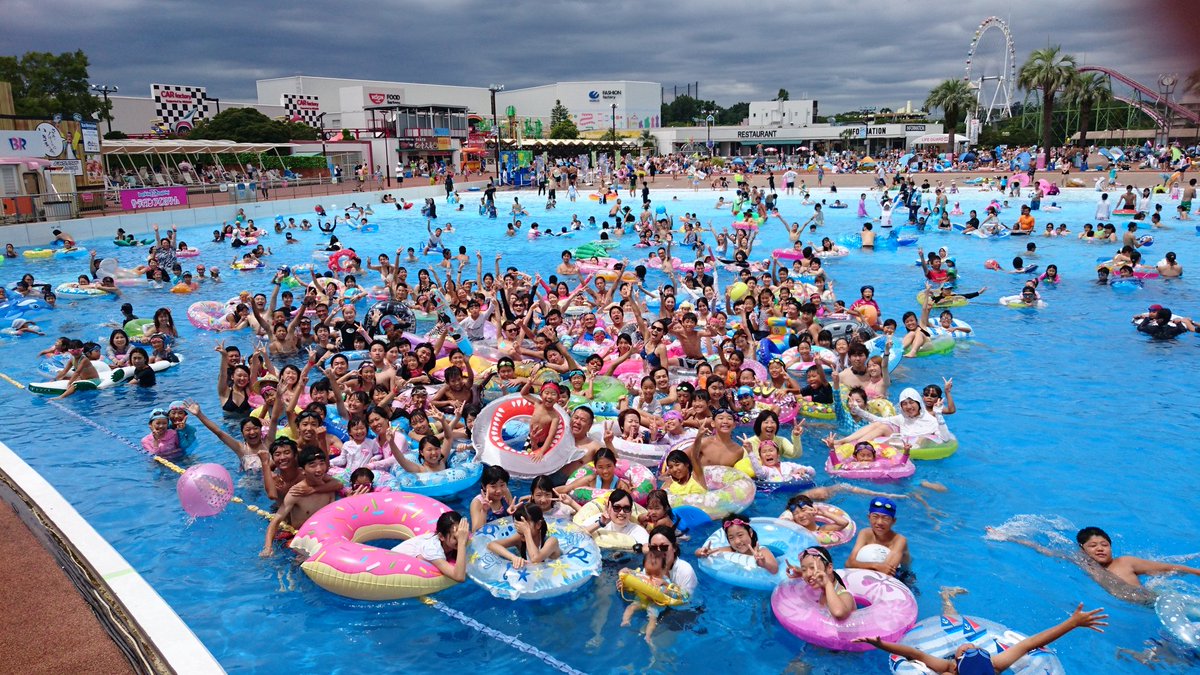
[
  {"x": 179, "y": 107},
  {"x": 301, "y": 108}
]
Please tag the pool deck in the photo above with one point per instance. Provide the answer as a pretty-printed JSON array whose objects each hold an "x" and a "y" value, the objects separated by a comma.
[
  {"x": 36, "y": 587},
  {"x": 74, "y": 604}
]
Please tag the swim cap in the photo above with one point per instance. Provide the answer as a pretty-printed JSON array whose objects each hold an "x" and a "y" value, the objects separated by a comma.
[
  {"x": 975, "y": 662},
  {"x": 672, "y": 415},
  {"x": 910, "y": 394},
  {"x": 882, "y": 505},
  {"x": 744, "y": 391},
  {"x": 157, "y": 414},
  {"x": 177, "y": 405}
]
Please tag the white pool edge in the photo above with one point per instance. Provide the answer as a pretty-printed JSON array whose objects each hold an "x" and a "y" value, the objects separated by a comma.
[{"x": 36, "y": 502}]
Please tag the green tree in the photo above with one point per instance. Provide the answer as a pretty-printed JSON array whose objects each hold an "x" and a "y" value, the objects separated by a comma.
[
  {"x": 1087, "y": 91},
  {"x": 684, "y": 111},
  {"x": 782, "y": 95},
  {"x": 561, "y": 124},
  {"x": 1048, "y": 71},
  {"x": 954, "y": 97},
  {"x": 44, "y": 84},
  {"x": 559, "y": 113},
  {"x": 244, "y": 125},
  {"x": 734, "y": 114},
  {"x": 564, "y": 129}
]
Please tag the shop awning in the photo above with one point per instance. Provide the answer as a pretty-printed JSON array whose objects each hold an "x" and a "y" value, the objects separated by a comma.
[{"x": 168, "y": 146}]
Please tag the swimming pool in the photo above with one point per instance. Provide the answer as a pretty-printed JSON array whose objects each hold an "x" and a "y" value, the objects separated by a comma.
[{"x": 1064, "y": 412}]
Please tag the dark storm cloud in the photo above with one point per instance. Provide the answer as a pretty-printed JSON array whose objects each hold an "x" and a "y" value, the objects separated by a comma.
[{"x": 845, "y": 54}]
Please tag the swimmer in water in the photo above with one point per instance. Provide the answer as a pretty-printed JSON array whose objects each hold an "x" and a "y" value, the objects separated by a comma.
[{"x": 1120, "y": 575}]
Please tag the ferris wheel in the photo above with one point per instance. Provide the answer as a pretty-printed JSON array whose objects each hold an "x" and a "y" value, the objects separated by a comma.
[{"x": 993, "y": 91}]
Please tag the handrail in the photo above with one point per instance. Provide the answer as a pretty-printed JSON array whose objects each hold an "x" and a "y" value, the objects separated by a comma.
[{"x": 1189, "y": 115}]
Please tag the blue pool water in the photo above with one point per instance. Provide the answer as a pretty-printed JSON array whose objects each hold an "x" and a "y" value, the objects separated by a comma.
[{"x": 1066, "y": 414}]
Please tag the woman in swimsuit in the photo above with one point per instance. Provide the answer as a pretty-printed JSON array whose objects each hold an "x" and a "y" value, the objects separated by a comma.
[{"x": 235, "y": 398}]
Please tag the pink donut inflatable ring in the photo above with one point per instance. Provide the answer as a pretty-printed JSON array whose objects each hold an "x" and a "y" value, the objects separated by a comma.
[
  {"x": 886, "y": 608},
  {"x": 788, "y": 254},
  {"x": 340, "y": 564},
  {"x": 491, "y": 448},
  {"x": 890, "y": 463}
]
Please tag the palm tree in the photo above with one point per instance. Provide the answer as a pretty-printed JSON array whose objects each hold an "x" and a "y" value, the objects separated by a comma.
[
  {"x": 1087, "y": 91},
  {"x": 1047, "y": 70},
  {"x": 955, "y": 98}
]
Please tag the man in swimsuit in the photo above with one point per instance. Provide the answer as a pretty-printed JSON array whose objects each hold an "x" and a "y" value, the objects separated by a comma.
[
  {"x": 1185, "y": 203},
  {"x": 855, "y": 374},
  {"x": 719, "y": 448},
  {"x": 1120, "y": 576},
  {"x": 581, "y": 423},
  {"x": 302, "y": 500}
]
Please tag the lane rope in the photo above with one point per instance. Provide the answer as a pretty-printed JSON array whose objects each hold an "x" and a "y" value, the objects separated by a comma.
[{"x": 510, "y": 640}]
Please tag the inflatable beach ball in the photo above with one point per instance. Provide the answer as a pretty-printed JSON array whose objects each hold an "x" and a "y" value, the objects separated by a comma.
[{"x": 204, "y": 490}]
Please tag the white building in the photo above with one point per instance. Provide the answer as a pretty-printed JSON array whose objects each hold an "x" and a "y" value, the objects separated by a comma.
[
  {"x": 593, "y": 106},
  {"x": 750, "y": 140},
  {"x": 782, "y": 113}
]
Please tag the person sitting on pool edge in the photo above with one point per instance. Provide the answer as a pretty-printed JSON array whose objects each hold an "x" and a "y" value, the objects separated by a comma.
[
  {"x": 971, "y": 660},
  {"x": 879, "y": 547}
]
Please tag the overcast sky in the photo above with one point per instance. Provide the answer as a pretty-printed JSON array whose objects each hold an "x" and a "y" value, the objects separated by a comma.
[{"x": 844, "y": 53}]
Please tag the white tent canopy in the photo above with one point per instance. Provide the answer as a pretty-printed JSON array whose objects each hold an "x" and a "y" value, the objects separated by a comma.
[{"x": 939, "y": 139}]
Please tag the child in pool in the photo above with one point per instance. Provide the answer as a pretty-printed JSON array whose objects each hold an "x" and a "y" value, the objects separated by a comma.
[
  {"x": 970, "y": 660},
  {"x": 532, "y": 539},
  {"x": 816, "y": 569},
  {"x": 445, "y": 548},
  {"x": 658, "y": 511},
  {"x": 804, "y": 512},
  {"x": 543, "y": 424},
  {"x": 744, "y": 540},
  {"x": 362, "y": 481},
  {"x": 767, "y": 465},
  {"x": 178, "y": 414},
  {"x": 605, "y": 475},
  {"x": 162, "y": 441},
  {"x": 434, "y": 452},
  {"x": 543, "y": 495},
  {"x": 494, "y": 496},
  {"x": 653, "y": 572},
  {"x": 359, "y": 451},
  {"x": 680, "y": 476},
  {"x": 882, "y": 516}
]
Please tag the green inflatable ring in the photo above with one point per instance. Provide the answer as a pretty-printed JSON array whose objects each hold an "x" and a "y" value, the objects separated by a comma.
[
  {"x": 939, "y": 451},
  {"x": 135, "y": 328}
]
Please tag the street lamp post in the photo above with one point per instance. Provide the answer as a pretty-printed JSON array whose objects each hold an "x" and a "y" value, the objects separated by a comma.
[
  {"x": 708, "y": 122},
  {"x": 390, "y": 118},
  {"x": 495, "y": 127},
  {"x": 614, "y": 133},
  {"x": 321, "y": 119},
  {"x": 1166, "y": 87},
  {"x": 105, "y": 90}
]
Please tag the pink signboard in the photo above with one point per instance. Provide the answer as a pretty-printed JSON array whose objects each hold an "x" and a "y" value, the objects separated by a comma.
[{"x": 153, "y": 198}]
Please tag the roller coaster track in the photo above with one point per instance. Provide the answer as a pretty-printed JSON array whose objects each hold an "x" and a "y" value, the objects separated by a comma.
[
  {"x": 1154, "y": 113},
  {"x": 1151, "y": 95}
]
